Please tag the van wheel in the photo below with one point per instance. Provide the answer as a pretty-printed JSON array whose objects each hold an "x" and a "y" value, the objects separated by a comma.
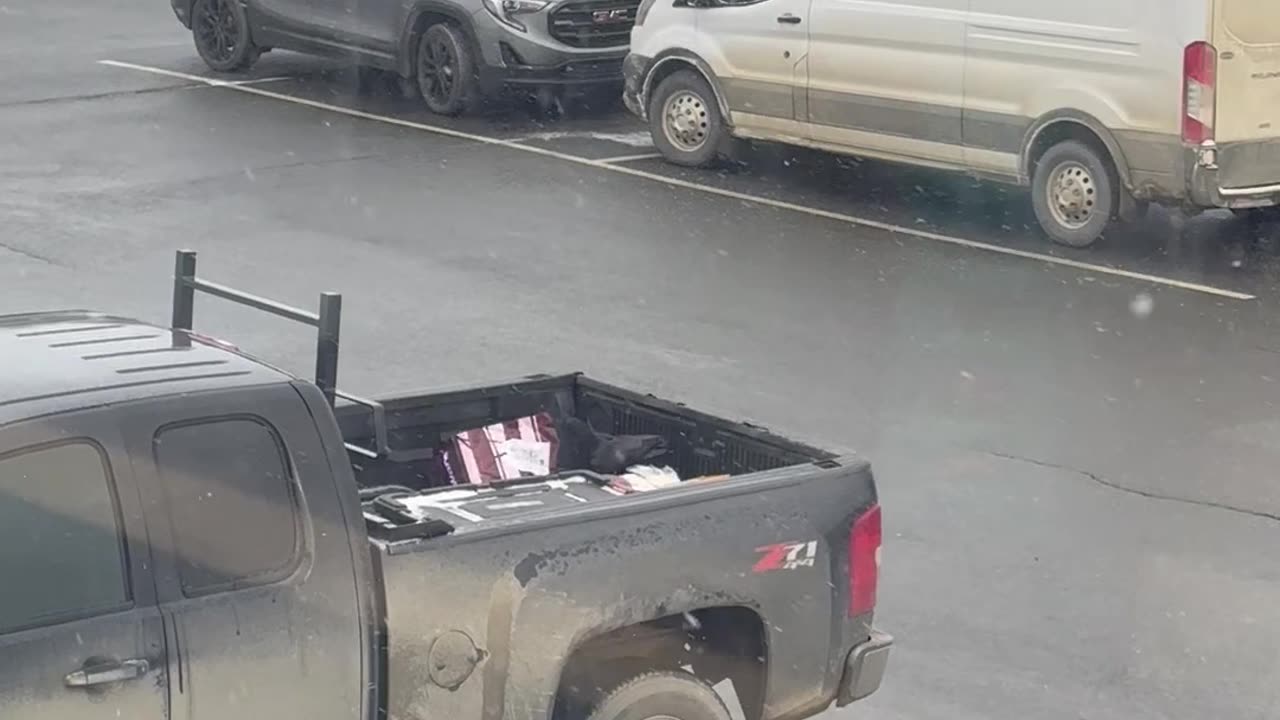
[
  {"x": 1073, "y": 194},
  {"x": 446, "y": 70},
  {"x": 666, "y": 695},
  {"x": 685, "y": 120},
  {"x": 221, "y": 32}
]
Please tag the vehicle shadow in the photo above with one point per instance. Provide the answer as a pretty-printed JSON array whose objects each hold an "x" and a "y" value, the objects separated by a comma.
[
  {"x": 1213, "y": 245},
  {"x": 521, "y": 111}
]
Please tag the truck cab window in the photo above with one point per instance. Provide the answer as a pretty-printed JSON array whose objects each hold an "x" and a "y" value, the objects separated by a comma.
[
  {"x": 62, "y": 552},
  {"x": 231, "y": 502}
]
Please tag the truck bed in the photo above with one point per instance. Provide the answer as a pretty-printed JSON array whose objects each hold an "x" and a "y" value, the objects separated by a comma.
[
  {"x": 418, "y": 426},
  {"x": 532, "y": 604}
]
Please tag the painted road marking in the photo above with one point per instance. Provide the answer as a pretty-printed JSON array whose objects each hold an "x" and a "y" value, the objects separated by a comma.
[
  {"x": 630, "y": 158},
  {"x": 261, "y": 81},
  {"x": 854, "y": 220},
  {"x": 235, "y": 83}
]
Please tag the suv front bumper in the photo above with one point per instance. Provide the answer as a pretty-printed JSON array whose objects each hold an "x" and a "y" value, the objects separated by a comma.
[
  {"x": 511, "y": 58},
  {"x": 864, "y": 668},
  {"x": 600, "y": 70}
]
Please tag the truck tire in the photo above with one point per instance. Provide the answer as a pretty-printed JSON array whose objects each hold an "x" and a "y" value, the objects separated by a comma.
[
  {"x": 220, "y": 29},
  {"x": 446, "y": 70},
  {"x": 685, "y": 120},
  {"x": 674, "y": 695},
  {"x": 1073, "y": 192}
]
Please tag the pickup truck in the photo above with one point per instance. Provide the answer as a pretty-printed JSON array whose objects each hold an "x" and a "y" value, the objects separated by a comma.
[{"x": 186, "y": 533}]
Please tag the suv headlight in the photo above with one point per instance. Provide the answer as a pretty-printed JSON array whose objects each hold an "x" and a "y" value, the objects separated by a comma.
[{"x": 508, "y": 12}]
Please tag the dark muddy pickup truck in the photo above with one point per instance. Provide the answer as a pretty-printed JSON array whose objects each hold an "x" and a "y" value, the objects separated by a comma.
[{"x": 188, "y": 533}]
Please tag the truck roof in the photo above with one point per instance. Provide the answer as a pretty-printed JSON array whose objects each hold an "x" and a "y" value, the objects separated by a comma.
[{"x": 60, "y": 361}]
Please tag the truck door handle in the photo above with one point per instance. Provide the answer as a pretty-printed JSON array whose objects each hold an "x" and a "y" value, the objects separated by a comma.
[
  {"x": 789, "y": 19},
  {"x": 108, "y": 673}
]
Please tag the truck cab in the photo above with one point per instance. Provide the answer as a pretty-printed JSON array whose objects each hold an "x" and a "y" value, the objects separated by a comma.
[{"x": 183, "y": 547}]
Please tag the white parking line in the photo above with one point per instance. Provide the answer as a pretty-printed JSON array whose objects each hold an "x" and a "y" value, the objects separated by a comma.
[
  {"x": 260, "y": 81},
  {"x": 708, "y": 189},
  {"x": 234, "y": 83},
  {"x": 630, "y": 158}
]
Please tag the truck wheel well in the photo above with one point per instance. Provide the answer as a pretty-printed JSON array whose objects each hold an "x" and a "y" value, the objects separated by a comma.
[{"x": 722, "y": 643}]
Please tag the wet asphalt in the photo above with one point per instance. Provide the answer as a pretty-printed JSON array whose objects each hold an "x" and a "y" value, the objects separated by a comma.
[{"x": 1078, "y": 469}]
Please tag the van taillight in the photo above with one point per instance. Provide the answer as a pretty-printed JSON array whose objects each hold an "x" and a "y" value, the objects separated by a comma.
[
  {"x": 864, "y": 562},
  {"x": 1199, "y": 92}
]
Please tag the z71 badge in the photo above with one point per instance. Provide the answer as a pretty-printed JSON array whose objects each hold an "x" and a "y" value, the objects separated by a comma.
[{"x": 786, "y": 556}]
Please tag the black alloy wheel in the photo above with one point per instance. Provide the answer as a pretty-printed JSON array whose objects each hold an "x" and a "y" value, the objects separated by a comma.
[
  {"x": 221, "y": 32},
  {"x": 446, "y": 70}
]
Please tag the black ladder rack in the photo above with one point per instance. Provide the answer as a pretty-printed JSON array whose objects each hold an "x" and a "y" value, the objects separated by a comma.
[{"x": 327, "y": 321}]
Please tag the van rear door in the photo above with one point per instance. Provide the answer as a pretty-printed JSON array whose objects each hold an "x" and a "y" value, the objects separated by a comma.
[{"x": 1246, "y": 34}]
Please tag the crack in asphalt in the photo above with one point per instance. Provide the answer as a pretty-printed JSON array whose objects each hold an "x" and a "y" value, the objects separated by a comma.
[
  {"x": 31, "y": 255},
  {"x": 1099, "y": 480},
  {"x": 99, "y": 96}
]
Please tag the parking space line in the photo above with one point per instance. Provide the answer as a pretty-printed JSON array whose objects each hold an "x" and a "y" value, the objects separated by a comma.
[
  {"x": 854, "y": 220},
  {"x": 630, "y": 158},
  {"x": 261, "y": 81}
]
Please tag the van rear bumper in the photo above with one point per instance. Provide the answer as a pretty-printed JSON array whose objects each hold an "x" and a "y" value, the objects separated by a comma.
[{"x": 1212, "y": 167}]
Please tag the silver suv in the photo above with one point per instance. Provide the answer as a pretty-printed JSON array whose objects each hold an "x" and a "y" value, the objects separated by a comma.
[{"x": 455, "y": 52}]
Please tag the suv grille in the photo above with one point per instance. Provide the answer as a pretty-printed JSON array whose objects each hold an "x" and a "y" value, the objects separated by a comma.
[{"x": 594, "y": 23}]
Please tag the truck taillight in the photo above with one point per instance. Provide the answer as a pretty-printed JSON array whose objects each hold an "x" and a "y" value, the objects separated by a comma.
[
  {"x": 864, "y": 562},
  {"x": 1199, "y": 93}
]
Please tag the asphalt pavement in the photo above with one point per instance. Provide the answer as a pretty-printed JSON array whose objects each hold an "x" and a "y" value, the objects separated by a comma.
[{"x": 1076, "y": 450}]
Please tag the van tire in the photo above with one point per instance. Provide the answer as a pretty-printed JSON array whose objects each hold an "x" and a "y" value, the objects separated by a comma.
[
  {"x": 220, "y": 29},
  {"x": 695, "y": 131},
  {"x": 445, "y": 70},
  {"x": 676, "y": 695},
  {"x": 1073, "y": 191}
]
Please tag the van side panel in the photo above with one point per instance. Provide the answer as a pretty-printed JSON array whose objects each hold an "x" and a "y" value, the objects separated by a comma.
[
  {"x": 1118, "y": 62},
  {"x": 887, "y": 77},
  {"x": 1246, "y": 34}
]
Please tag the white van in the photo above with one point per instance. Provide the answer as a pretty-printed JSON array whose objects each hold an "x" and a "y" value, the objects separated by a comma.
[{"x": 1099, "y": 105}]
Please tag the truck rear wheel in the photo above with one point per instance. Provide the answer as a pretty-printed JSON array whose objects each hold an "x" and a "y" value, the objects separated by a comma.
[
  {"x": 1074, "y": 194},
  {"x": 665, "y": 695}
]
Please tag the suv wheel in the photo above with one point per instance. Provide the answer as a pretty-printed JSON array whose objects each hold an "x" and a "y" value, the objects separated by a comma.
[
  {"x": 1073, "y": 193},
  {"x": 221, "y": 32},
  {"x": 446, "y": 70},
  {"x": 685, "y": 120}
]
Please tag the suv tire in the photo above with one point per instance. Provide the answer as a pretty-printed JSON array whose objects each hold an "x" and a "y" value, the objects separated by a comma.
[
  {"x": 685, "y": 120},
  {"x": 677, "y": 695},
  {"x": 445, "y": 69},
  {"x": 220, "y": 29},
  {"x": 1073, "y": 192}
]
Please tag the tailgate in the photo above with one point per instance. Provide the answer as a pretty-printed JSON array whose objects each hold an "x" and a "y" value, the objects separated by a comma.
[{"x": 1247, "y": 36}]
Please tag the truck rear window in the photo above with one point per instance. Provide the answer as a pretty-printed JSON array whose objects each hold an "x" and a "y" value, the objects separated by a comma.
[
  {"x": 62, "y": 551},
  {"x": 232, "y": 504},
  {"x": 1252, "y": 22}
]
